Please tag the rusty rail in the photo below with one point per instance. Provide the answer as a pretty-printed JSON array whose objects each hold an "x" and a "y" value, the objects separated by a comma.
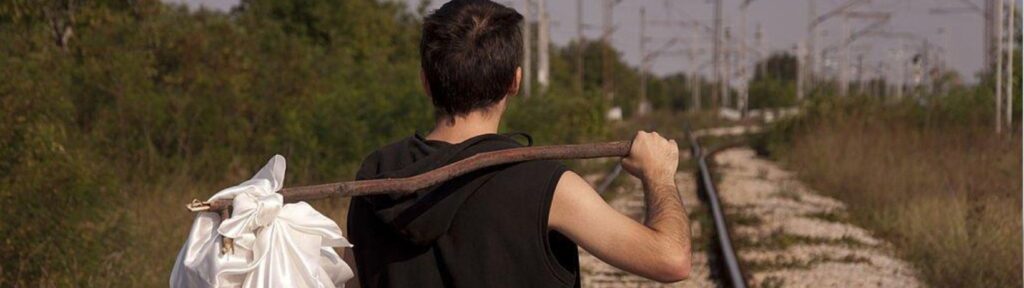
[{"x": 445, "y": 173}]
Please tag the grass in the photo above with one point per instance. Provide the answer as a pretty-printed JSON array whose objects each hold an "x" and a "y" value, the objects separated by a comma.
[
  {"x": 789, "y": 194},
  {"x": 780, "y": 240},
  {"x": 786, "y": 263},
  {"x": 829, "y": 216},
  {"x": 773, "y": 282},
  {"x": 706, "y": 239},
  {"x": 949, "y": 197},
  {"x": 743, "y": 219}
]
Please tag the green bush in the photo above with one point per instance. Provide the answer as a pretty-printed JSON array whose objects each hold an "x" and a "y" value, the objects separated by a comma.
[{"x": 771, "y": 93}]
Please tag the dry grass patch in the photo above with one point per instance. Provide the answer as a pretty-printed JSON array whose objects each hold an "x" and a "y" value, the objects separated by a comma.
[{"x": 948, "y": 198}]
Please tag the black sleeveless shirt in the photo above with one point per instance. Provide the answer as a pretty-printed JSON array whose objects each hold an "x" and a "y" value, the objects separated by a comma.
[{"x": 484, "y": 229}]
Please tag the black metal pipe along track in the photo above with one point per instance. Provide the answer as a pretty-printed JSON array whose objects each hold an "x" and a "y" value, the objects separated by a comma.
[{"x": 732, "y": 265}]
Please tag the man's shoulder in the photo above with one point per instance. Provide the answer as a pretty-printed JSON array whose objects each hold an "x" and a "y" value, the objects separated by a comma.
[
  {"x": 538, "y": 167},
  {"x": 540, "y": 176}
]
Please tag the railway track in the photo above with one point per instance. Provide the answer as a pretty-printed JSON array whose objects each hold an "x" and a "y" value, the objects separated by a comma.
[
  {"x": 731, "y": 271},
  {"x": 755, "y": 224}
]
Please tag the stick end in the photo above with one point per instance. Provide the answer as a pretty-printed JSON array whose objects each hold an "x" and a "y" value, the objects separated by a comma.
[{"x": 197, "y": 206}]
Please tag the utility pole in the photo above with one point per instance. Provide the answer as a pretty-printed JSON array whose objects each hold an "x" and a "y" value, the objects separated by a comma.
[
  {"x": 926, "y": 65},
  {"x": 860, "y": 74},
  {"x": 844, "y": 55},
  {"x": 694, "y": 71},
  {"x": 527, "y": 46},
  {"x": 759, "y": 41},
  {"x": 896, "y": 68},
  {"x": 801, "y": 75},
  {"x": 647, "y": 55},
  {"x": 881, "y": 90},
  {"x": 946, "y": 45},
  {"x": 642, "y": 106},
  {"x": 741, "y": 102},
  {"x": 999, "y": 65},
  {"x": 716, "y": 56},
  {"x": 580, "y": 46},
  {"x": 606, "y": 54},
  {"x": 1009, "y": 70},
  {"x": 902, "y": 62},
  {"x": 816, "y": 20},
  {"x": 726, "y": 76},
  {"x": 808, "y": 68},
  {"x": 890, "y": 70},
  {"x": 990, "y": 34},
  {"x": 543, "y": 39},
  {"x": 881, "y": 18}
]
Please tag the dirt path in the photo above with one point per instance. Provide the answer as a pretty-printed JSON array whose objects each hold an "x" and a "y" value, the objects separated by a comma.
[
  {"x": 790, "y": 236},
  {"x": 630, "y": 201}
]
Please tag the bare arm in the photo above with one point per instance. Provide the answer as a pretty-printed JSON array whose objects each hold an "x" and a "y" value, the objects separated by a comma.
[{"x": 658, "y": 249}]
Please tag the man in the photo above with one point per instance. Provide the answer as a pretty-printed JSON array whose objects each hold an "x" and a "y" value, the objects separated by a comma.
[{"x": 509, "y": 226}]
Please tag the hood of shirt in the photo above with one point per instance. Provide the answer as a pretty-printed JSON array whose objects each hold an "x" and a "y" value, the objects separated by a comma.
[{"x": 425, "y": 215}]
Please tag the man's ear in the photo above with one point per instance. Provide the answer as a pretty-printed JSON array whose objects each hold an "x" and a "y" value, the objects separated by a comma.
[
  {"x": 426, "y": 84},
  {"x": 514, "y": 90}
]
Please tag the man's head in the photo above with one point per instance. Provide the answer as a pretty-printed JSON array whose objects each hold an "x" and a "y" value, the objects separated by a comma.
[{"x": 470, "y": 53}]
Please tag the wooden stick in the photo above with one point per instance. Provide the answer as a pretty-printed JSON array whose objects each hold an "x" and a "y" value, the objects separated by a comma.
[{"x": 439, "y": 175}]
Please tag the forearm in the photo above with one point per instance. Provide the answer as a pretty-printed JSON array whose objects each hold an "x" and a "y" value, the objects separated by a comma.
[
  {"x": 659, "y": 250},
  {"x": 666, "y": 214}
]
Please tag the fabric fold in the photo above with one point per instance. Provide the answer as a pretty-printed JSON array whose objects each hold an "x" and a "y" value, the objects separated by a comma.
[{"x": 276, "y": 244}]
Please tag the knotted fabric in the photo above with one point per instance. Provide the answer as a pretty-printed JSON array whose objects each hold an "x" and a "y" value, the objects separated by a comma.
[{"x": 276, "y": 244}]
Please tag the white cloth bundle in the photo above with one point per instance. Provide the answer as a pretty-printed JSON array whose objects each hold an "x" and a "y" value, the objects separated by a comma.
[{"x": 276, "y": 244}]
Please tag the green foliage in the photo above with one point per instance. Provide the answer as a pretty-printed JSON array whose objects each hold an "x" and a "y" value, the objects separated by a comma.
[
  {"x": 54, "y": 191},
  {"x": 558, "y": 117},
  {"x": 772, "y": 93},
  {"x": 144, "y": 93},
  {"x": 673, "y": 92},
  {"x": 774, "y": 82},
  {"x": 670, "y": 92}
]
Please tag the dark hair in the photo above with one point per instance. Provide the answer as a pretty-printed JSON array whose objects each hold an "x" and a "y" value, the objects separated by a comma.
[{"x": 469, "y": 53}]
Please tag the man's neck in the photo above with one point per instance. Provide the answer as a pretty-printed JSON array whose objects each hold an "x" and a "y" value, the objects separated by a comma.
[{"x": 464, "y": 127}]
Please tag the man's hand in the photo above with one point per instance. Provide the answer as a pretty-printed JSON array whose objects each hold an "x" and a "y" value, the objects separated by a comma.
[
  {"x": 652, "y": 158},
  {"x": 659, "y": 248}
]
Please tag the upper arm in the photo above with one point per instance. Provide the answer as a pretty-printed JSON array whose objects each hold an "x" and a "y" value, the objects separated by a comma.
[{"x": 578, "y": 212}]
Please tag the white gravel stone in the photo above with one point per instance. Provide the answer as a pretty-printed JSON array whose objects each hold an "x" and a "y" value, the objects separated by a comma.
[{"x": 817, "y": 252}]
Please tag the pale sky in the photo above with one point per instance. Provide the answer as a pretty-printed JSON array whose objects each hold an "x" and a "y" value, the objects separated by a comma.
[{"x": 783, "y": 24}]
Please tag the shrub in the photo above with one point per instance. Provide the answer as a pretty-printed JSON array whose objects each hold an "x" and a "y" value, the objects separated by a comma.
[{"x": 931, "y": 178}]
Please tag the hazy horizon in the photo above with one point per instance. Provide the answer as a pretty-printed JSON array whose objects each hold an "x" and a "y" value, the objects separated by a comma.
[{"x": 783, "y": 26}]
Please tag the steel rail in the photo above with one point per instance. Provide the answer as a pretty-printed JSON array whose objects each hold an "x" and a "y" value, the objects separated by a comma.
[
  {"x": 732, "y": 265},
  {"x": 608, "y": 179}
]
